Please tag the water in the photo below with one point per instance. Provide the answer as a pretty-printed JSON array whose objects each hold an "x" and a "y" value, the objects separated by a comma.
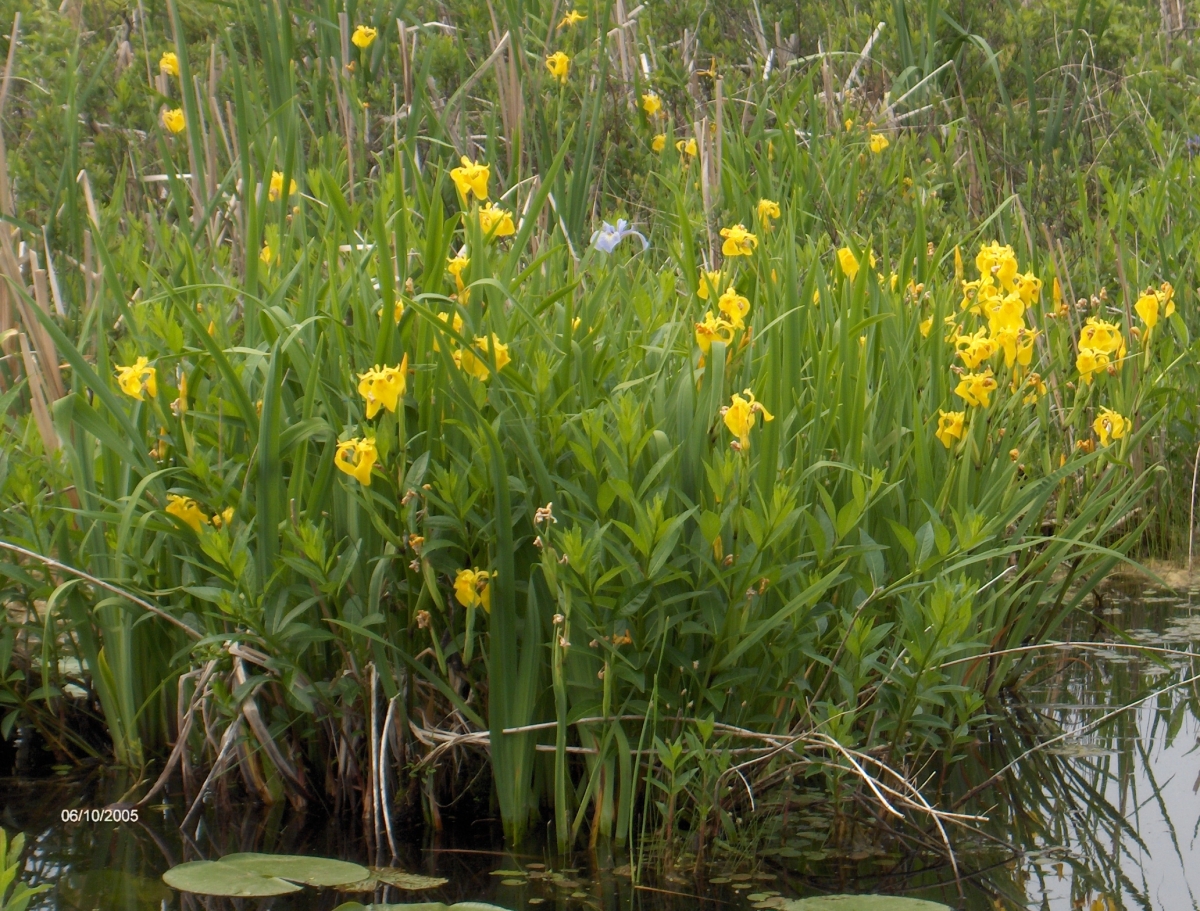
[{"x": 1107, "y": 815}]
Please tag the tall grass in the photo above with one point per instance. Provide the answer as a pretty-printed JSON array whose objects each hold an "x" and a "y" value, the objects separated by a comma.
[{"x": 657, "y": 600}]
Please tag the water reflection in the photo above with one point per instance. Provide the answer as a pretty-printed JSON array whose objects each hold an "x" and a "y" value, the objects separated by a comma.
[
  {"x": 1104, "y": 801},
  {"x": 1088, "y": 808}
]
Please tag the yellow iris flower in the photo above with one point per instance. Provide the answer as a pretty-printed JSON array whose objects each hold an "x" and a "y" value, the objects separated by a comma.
[
  {"x": 383, "y": 387},
  {"x": 139, "y": 380},
  {"x": 456, "y": 324},
  {"x": 879, "y": 142},
  {"x": 1111, "y": 426},
  {"x": 559, "y": 65},
  {"x": 275, "y": 191},
  {"x": 1089, "y": 362},
  {"x": 471, "y": 177},
  {"x": 712, "y": 329},
  {"x": 976, "y": 388},
  {"x": 710, "y": 283},
  {"x": 738, "y": 241},
  {"x": 476, "y": 365},
  {"x": 659, "y": 142},
  {"x": 998, "y": 263},
  {"x": 356, "y": 458},
  {"x": 739, "y": 417},
  {"x": 574, "y": 17},
  {"x": 168, "y": 63},
  {"x": 687, "y": 147},
  {"x": 1007, "y": 312},
  {"x": 187, "y": 511},
  {"x": 1103, "y": 336},
  {"x": 767, "y": 209},
  {"x": 363, "y": 37},
  {"x": 1099, "y": 341},
  {"x": 975, "y": 349},
  {"x": 173, "y": 120},
  {"x": 849, "y": 263},
  {"x": 1029, "y": 288},
  {"x": 1149, "y": 304},
  {"x": 1017, "y": 345},
  {"x": 734, "y": 306},
  {"x": 1037, "y": 388},
  {"x": 472, "y": 588},
  {"x": 456, "y": 267},
  {"x": 950, "y": 426},
  {"x": 651, "y": 103},
  {"x": 496, "y": 222}
]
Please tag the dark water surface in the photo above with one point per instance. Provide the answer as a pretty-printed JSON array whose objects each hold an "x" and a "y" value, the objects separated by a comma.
[{"x": 1103, "y": 813}]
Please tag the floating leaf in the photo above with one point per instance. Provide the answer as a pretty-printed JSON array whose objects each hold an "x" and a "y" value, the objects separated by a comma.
[
  {"x": 508, "y": 873},
  {"x": 411, "y": 882},
  {"x": 512, "y": 882},
  {"x": 363, "y": 885},
  {"x": 862, "y": 903},
  {"x": 211, "y": 877},
  {"x": 312, "y": 871},
  {"x": 420, "y": 906}
]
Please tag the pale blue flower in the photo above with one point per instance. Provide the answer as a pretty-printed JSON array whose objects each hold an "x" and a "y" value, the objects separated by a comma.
[{"x": 606, "y": 239}]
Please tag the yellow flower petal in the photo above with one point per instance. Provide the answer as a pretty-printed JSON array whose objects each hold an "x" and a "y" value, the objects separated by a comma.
[{"x": 363, "y": 37}]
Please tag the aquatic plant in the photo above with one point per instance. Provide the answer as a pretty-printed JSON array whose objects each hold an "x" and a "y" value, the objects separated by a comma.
[
  {"x": 261, "y": 875},
  {"x": 420, "y": 458},
  {"x": 14, "y": 894}
]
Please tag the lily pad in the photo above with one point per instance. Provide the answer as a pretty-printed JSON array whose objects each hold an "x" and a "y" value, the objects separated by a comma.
[
  {"x": 410, "y": 882},
  {"x": 212, "y": 877},
  {"x": 420, "y": 906},
  {"x": 312, "y": 871},
  {"x": 414, "y": 906},
  {"x": 862, "y": 903},
  {"x": 363, "y": 885}
]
